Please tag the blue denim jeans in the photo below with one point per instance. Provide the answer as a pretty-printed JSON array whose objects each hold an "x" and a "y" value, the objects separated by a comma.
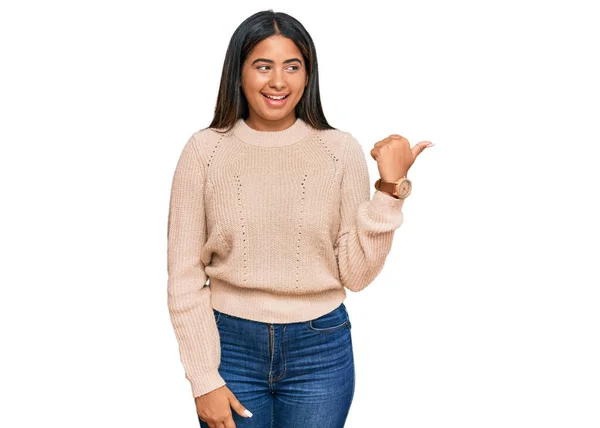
[{"x": 292, "y": 375}]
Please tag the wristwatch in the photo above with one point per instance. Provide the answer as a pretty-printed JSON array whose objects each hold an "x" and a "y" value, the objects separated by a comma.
[{"x": 399, "y": 189}]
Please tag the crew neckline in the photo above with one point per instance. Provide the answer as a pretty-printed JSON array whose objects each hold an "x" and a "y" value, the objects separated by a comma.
[{"x": 285, "y": 137}]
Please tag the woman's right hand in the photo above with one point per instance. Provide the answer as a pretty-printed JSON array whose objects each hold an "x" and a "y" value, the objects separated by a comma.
[{"x": 215, "y": 406}]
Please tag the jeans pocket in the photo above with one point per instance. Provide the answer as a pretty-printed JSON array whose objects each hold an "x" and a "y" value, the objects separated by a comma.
[{"x": 335, "y": 320}]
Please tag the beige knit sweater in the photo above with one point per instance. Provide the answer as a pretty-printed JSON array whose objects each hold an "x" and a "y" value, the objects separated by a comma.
[{"x": 278, "y": 223}]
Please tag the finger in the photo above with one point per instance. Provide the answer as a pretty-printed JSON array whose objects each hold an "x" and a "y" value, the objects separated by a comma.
[
  {"x": 238, "y": 407},
  {"x": 419, "y": 147},
  {"x": 391, "y": 139},
  {"x": 229, "y": 423},
  {"x": 384, "y": 146},
  {"x": 375, "y": 153}
]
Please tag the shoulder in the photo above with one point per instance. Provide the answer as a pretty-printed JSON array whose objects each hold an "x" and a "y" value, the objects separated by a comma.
[
  {"x": 208, "y": 136},
  {"x": 337, "y": 141},
  {"x": 331, "y": 135},
  {"x": 204, "y": 141}
]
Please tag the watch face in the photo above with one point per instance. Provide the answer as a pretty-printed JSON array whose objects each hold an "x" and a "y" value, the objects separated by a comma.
[{"x": 404, "y": 189}]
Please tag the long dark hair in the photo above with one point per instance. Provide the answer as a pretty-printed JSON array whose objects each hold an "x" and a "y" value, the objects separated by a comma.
[{"x": 231, "y": 101}]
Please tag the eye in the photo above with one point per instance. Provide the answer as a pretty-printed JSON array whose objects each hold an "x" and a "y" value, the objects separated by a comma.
[{"x": 293, "y": 67}]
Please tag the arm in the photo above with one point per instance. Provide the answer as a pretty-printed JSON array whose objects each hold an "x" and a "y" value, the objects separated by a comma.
[
  {"x": 188, "y": 298},
  {"x": 367, "y": 225}
]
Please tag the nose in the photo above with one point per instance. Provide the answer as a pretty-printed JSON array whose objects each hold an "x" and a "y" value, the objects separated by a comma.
[{"x": 277, "y": 79}]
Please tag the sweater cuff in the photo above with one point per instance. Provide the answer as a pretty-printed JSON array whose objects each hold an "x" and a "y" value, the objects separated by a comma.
[
  {"x": 387, "y": 202},
  {"x": 387, "y": 208},
  {"x": 206, "y": 383}
]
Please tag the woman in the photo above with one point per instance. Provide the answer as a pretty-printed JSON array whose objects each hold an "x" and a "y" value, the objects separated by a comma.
[{"x": 271, "y": 205}]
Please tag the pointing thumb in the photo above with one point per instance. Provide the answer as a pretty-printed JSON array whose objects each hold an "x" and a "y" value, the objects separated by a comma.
[{"x": 418, "y": 148}]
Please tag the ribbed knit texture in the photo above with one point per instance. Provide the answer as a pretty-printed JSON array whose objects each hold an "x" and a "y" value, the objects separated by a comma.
[{"x": 278, "y": 223}]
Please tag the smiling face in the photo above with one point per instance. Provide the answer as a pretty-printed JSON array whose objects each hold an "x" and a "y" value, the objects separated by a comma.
[{"x": 274, "y": 67}]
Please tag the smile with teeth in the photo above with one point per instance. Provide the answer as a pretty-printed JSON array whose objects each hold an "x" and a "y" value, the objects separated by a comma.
[{"x": 275, "y": 98}]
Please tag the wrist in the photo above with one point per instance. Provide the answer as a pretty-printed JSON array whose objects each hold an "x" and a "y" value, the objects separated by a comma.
[
  {"x": 399, "y": 189},
  {"x": 402, "y": 175},
  {"x": 389, "y": 194}
]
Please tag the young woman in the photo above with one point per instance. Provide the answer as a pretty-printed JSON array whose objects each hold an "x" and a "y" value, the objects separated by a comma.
[{"x": 271, "y": 206}]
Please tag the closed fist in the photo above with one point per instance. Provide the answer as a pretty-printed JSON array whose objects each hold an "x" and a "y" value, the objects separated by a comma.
[{"x": 394, "y": 156}]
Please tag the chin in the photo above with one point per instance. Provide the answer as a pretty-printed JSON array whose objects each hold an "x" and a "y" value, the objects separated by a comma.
[{"x": 275, "y": 115}]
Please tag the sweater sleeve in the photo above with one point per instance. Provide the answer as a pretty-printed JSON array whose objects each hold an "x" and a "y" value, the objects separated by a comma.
[
  {"x": 367, "y": 225},
  {"x": 188, "y": 297}
]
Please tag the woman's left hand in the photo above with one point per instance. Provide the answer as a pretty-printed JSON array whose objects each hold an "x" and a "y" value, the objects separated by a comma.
[{"x": 395, "y": 157}]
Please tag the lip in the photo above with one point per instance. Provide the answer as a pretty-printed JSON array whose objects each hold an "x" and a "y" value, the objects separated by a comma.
[{"x": 275, "y": 103}]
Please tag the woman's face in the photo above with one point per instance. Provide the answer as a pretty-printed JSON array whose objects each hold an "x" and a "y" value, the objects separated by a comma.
[{"x": 274, "y": 67}]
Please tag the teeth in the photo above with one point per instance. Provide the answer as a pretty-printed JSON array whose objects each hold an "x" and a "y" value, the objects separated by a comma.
[{"x": 275, "y": 98}]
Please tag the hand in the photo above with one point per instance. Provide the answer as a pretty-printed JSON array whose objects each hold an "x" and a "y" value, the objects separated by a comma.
[
  {"x": 395, "y": 157},
  {"x": 214, "y": 408}
]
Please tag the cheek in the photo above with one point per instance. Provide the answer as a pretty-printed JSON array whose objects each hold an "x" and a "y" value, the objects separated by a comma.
[
  {"x": 300, "y": 84},
  {"x": 300, "y": 90},
  {"x": 253, "y": 82}
]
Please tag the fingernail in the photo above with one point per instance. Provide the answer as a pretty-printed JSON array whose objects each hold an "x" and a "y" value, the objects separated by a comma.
[
  {"x": 247, "y": 412},
  {"x": 430, "y": 144}
]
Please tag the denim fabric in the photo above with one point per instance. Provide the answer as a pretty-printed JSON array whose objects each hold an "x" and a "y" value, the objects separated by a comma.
[{"x": 294, "y": 375}]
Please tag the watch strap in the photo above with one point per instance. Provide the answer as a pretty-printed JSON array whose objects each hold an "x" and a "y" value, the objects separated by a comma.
[
  {"x": 399, "y": 189},
  {"x": 387, "y": 187}
]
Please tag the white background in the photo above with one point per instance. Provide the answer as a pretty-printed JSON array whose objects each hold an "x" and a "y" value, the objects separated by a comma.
[{"x": 486, "y": 312}]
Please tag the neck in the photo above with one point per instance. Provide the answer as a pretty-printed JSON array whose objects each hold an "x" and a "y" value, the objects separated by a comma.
[
  {"x": 294, "y": 133},
  {"x": 259, "y": 124}
]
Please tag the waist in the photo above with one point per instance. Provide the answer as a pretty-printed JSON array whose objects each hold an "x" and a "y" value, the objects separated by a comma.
[{"x": 270, "y": 306}]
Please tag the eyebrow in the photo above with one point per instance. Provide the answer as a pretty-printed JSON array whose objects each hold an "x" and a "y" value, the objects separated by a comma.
[{"x": 272, "y": 62}]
